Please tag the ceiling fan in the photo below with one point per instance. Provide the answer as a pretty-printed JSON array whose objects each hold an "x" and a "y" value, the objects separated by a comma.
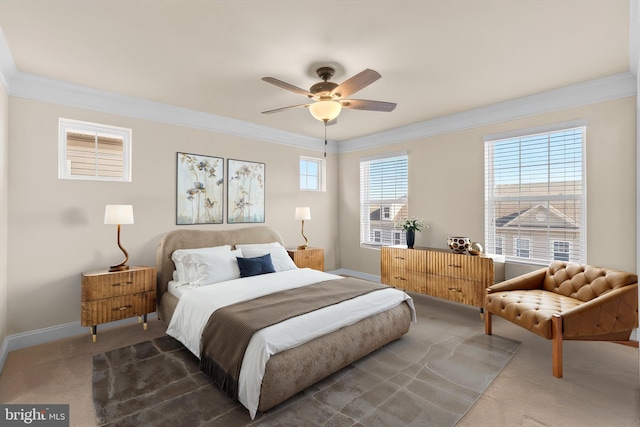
[{"x": 330, "y": 98}]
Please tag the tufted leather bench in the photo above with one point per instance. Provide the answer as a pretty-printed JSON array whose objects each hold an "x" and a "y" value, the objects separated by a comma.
[{"x": 568, "y": 301}]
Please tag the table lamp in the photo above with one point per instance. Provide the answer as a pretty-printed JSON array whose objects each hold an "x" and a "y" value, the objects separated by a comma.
[
  {"x": 119, "y": 214},
  {"x": 303, "y": 214}
]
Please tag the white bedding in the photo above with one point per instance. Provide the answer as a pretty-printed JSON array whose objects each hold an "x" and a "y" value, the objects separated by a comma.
[
  {"x": 176, "y": 288},
  {"x": 196, "y": 305}
]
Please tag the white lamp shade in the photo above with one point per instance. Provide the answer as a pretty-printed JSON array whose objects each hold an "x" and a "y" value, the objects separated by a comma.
[
  {"x": 303, "y": 214},
  {"x": 118, "y": 214},
  {"x": 325, "y": 111}
]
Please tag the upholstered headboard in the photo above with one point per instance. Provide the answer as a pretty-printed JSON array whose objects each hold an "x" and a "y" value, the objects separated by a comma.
[{"x": 189, "y": 239}]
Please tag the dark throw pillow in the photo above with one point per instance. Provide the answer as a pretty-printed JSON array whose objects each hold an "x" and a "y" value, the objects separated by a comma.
[{"x": 255, "y": 266}]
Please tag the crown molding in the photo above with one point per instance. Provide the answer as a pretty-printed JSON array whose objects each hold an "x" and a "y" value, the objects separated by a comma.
[
  {"x": 38, "y": 88},
  {"x": 600, "y": 90},
  {"x": 29, "y": 86},
  {"x": 23, "y": 85}
]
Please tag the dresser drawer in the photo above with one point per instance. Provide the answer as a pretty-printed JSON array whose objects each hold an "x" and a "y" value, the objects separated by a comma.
[
  {"x": 461, "y": 266},
  {"x": 408, "y": 280},
  {"x": 458, "y": 290},
  {"x": 101, "y": 285},
  {"x": 117, "y": 308},
  {"x": 407, "y": 259}
]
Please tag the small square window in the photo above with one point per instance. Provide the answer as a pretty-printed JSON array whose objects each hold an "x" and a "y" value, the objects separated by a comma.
[
  {"x": 312, "y": 172},
  {"x": 91, "y": 151}
]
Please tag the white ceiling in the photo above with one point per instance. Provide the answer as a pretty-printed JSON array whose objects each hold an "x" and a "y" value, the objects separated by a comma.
[{"x": 436, "y": 57}]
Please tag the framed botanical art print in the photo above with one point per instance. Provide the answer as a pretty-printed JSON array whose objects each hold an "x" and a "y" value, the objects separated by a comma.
[
  {"x": 200, "y": 189},
  {"x": 245, "y": 191}
]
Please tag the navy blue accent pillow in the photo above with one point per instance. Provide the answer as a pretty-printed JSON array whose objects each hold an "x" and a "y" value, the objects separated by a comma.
[{"x": 255, "y": 266}]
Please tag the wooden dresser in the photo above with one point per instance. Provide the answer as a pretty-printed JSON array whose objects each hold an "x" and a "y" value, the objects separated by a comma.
[
  {"x": 308, "y": 258},
  {"x": 109, "y": 296},
  {"x": 439, "y": 273}
]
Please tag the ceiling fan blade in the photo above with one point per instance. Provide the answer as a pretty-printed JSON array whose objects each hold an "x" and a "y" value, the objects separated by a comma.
[
  {"x": 363, "y": 104},
  {"x": 287, "y": 86},
  {"x": 355, "y": 83},
  {"x": 277, "y": 110}
]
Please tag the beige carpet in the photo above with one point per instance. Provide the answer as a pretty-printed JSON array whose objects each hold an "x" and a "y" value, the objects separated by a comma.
[
  {"x": 430, "y": 377},
  {"x": 600, "y": 387}
]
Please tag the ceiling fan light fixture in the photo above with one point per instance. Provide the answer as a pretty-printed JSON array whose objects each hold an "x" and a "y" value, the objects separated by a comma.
[{"x": 326, "y": 110}]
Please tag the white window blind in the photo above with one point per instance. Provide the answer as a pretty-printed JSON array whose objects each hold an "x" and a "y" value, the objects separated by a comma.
[
  {"x": 384, "y": 188},
  {"x": 94, "y": 151},
  {"x": 535, "y": 197}
]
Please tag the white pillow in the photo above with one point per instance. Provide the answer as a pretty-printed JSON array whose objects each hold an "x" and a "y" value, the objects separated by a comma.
[
  {"x": 214, "y": 267},
  {"x": 185, "y": 270},
  {"x": 279, "y": 256},
  {"x": 259, "y": 245}
]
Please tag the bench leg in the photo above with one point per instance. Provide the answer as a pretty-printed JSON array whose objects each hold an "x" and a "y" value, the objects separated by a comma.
[
  {"x": 556, "y": 345},
  {"x": 487, "y": 322}
]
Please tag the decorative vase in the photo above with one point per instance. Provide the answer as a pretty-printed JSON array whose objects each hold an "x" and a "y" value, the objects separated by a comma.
[
  {"x": 411, "y": 238},
  {"x": 459, "y": 245}
]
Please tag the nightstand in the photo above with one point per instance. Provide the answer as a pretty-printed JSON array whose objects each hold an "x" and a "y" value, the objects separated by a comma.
[
  {"x": 310, "y": 257},
  {"x": 108, "y": 296}
]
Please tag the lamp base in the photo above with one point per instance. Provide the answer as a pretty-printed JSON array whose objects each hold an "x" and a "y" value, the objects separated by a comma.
[
  {"x": 118, "y": 268},
  {"x": 301, "y": 247}
]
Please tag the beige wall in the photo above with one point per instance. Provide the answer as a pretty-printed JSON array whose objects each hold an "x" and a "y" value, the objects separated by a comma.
[
  {"x": 453, "y": 203},
  {"x": 56, "y": 228},
  {"x": 4, "y": 147}
]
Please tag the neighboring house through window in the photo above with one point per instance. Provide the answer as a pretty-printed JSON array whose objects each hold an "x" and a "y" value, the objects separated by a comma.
[
  {"x": 535, "y": 198},
  {"x": 521, "y": 247},
  {"x": 386, "y": 212},
  {"x": 498, "y": 247},
  {"x": 561, "y": 250},
  {"x": 91, "y": 151},
  {"x": 383, "y": 198}
]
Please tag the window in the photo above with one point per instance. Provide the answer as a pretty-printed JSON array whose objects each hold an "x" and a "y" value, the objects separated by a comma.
[
  {"x": 398, "y": 238},
  {"x": 535, "y": 195},
  {"x": 312, "y": 173},
  {"x": 386, "y": 212},
  {"x": 521, "y": 247},
  {"x": 499, "y": 246},
  {"x": 561, "y": 250},
  {"x": 93, "y": 151},
  {"x": 383, "y": 198}
]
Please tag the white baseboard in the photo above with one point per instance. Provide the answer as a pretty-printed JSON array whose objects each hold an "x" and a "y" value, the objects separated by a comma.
[
  {"x": 358, "y": 274},
  {"x": 54, "y": 333}
]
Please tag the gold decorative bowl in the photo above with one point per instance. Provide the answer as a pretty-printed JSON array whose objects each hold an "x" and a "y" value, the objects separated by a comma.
[{"x": 475, "y": 249}]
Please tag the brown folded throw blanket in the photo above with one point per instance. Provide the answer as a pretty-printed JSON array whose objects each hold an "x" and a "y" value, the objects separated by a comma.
[{"x": 229, "y": 329}]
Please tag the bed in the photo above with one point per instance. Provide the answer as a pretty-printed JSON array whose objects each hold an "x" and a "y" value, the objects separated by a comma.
[{"x": 289, "y": 370}]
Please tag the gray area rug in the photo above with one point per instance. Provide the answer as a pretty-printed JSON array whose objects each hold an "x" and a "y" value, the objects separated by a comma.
[{"x": 429, "y": 377}]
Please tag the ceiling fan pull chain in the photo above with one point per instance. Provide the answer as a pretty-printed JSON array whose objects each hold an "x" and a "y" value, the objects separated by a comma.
[{"x": 325, "y": 138}]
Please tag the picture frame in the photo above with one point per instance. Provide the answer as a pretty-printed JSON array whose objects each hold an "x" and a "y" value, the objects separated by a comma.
[
  {"x": 199, "y": 189},
  {"x": 245, "y": 191}
]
